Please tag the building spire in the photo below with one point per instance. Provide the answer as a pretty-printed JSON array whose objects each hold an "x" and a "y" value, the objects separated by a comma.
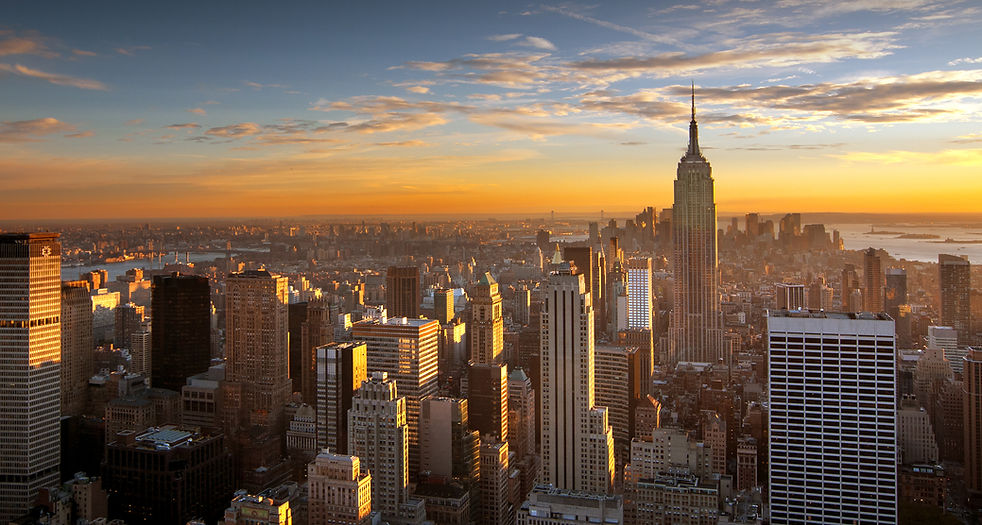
[{"x": 693, "y": 128}]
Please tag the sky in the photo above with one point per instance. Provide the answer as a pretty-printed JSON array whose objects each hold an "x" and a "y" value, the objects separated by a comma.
[{"x": 245, "y": 109}]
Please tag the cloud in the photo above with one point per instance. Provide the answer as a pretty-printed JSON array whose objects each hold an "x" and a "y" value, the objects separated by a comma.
[
  {"x": 504, "y": 38},
  {"x": 661, "y": 39},
  {"x": 235, "y": 130},
  {"x": 134, "y": 122},
  {"x": 966, "y": 60},
  {"x": 198, "y": 111},
  {"x": 54, "y": 78},
  {"x": 773, "y": 50},
  {"x": 30, "y": 43},
  {"x": 186, "y": 125},
  {"x": 513, "y": 70},
  {"x": 32, "y": 130},
  {"x": 971, "y": 138},
  {"x": 955, "y": 157},
  {"x": 258, "y": 86},
  {"x": 538, "y": 43},
  {"x": 83, "y": 53},
  {"x": 81, "y": 135},
  {"x": 404, "y": 144},
  {"x": 422, "y": 90},
  {"x": 131, "y": 51}
]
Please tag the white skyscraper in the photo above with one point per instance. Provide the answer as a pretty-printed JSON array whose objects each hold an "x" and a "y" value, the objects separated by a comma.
[
  {"x": 577, "y": 441},
  {"x": 833, "y": 432},
  {"x": 639, "y": 293},
  {"x": 695, "y": 331},
  {"x": 30, "y": 370}
]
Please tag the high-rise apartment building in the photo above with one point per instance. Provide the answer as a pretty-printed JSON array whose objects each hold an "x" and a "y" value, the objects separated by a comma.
[
  {"x": 695, "y": 328},
  {"x": 639, "y": 292},
  {"x": 406, "y": 349},
  {"x": 789, "y": 296},
  {"x": 486, "y": 328},
  {"x": 487, "y": 396},
  {"x": 340, "y": 491},
  {"x": 872, "y": 282},
  {"x": 30, "y": 356},
  {"x": 617, "y": 373},
  {"x": 341, "y": 369},
  {"x": 256, "y": 350},
  {"x": 496, "y": 501},
  {"x": 577, "y": 441},
  {"x": 180, "y": 329},
  {"x": 833, "y": 432},
  {"x": 521, "y": 414},
  {"x": 402, "y": 291},
  {"x": 956, "y": 290},
  {"x": 77, "y": 346},
  {"x": 129, "y": 320},
  {"x": 450, "y": 449},
  {"x": 378, "y": 433}
]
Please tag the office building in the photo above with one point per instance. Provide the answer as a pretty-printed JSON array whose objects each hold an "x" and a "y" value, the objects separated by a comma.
[
  {"x": 872, "y": 282},
  {"x": 972, "y": 395},
  {"x": 443, "y": 305},
  {"x": 30, "y": 356},
  {"x": 956, "y": 290},
  {"x": 548, "y": 505},
  {"x": 617, "y": 373},
  {"x": 340, "y": 490},
  {"x": 378, "y": 433},
  {"x": 77, "y": 346},
  {"x": 296, "y": 317},
  {"x": 129, "y": 320},
  {"x": 486, "y": 325},
  {"x": 406, "y": 349},
  {"x": 496, "y": 502},
  {"x": 341, "y": 369},
  {"x": 895, "y": 292},
  {"x": 167, "y": 475},
  {"x": 577, "y": 441},
  {"x": 487, "y": 397},
  {"x": 247, "y": 509},
  {"x": 521, "y": 414},
  {"x": 915, "y": 434},
  {"x": 678, "y": 498},
  {"x": 449, "y": 447},
  {"x": 180, "y": 329},
  {"x": 946, "y": 338},
  {"x": 402, "y": 291},
  {"x": 695, "y": 327},
  {"x": 833, "y": 431},
  {"x": 317, "y": 329}
]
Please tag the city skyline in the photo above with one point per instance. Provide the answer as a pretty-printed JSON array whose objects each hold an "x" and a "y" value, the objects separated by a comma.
[{"x": 209, "y": 111}]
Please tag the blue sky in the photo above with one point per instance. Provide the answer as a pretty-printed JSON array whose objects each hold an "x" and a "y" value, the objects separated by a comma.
[{"x": 238, "y": 108}]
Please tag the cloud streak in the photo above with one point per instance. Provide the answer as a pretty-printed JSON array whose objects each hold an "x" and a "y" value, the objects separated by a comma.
[
  {"x": 34, "y": 130},
  {"x": 54, "y": 78}
]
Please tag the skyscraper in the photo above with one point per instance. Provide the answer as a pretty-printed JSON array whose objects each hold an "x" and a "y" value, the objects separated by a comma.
[
  {"x": 180, "y": 331},
  {"x": 256, "y": 348},
  {"x": 789, "y": 296},
  {"x": 378, "y": 434},
  {"x": 77, "y": 346},
  {"x": 972, "y": 387},
  {"x": 407, "y": 349},
  {"x": 895, "y": 293},
  {"x": 639, "y": 292},
  {"x": 443, "y": 305},
  {"x": 695, "y": 331},
  {"x": 30, "y": 356},
  {"x": 833, "y": 435},
  {"x": 577, "y": 441},
  {"x": 402, "y": 291},
  {"x": 872, "y": 282},
  {"x": 956, "y": 290},
  {"x": 341, "y": 369},
  {"x": 340, "y": 491},
  {"x": 486, "y": 328},
  {"x": 487, "y": 395}
]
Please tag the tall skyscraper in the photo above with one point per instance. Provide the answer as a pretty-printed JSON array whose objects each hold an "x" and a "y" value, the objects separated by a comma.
[
  {"x": 486, "y": 328},
  {"x": 577, "y": 441},
  {"x": 895, "y": 293},
  {"x": 639, "y": 292},
  {"x": 340, "y": 491},
  {"x": 789, "y": 296},
  {"x": 956, "y": 289},
  {"x": 256, "y": 350},
  {"x": 77, "y": 346},
  {"x": 378, "y": 433},
  {"x": 316, "y": 330},
  {"x": 695, "y": 331},
  {"x": 407, "y": 349},
  {"x": 402, "y": 291},
  {"x": 450, "y": 448},
  {"x": 30, "y": 356},
  {"x": 129, "y": 320},
  {"x": 443, "y": 305},
  {"x": 972, "y": 388},
  {"x": 872, "y": 282},
  {"x": 180, "y": 329},
  {"x": 833, "y": 433},
  {"x": 487, "y": 395},
  {"x": 341, "y": 369},
  {"x": 496, "y": 502}
]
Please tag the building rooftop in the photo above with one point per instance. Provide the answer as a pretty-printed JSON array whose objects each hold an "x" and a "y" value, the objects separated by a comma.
[
  {"x": 28, "y": 236},
  {"x": 821, "y": 314}
]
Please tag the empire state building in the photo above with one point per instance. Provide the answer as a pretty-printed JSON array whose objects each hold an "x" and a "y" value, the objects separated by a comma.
[{"x": 695, "y": 332}]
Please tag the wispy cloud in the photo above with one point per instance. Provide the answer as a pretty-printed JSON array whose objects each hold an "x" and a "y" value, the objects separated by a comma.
[
  {"x": 134, "y": 122},
  {"x": 81, "y": 135},
  {"x": 504, "y": 38},
  {"x": 235, "y": 130},
  {"x": 131, "y": 50},
  {"x": 84, "y": 53},
  {"x": 258, "y": 86},
  {"x": 955, "y": 157},
  {"x": 198, "y": 111},
  {"x": 33, "y": 130},
  {"x": 422, "y": 90},
  {"x": 661, "y": 39},
  {"x": 54, "y": 78},
  {"x": 966, "y": 60},
  {"x": 538, "y": 43},
  {"x": 186, "y": 125}
]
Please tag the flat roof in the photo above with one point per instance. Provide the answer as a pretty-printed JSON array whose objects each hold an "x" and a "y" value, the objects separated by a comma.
[{"x": 822, "y": 314}]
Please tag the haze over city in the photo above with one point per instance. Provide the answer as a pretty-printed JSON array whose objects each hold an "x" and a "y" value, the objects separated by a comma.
[{"x": 188, "y": 109}]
